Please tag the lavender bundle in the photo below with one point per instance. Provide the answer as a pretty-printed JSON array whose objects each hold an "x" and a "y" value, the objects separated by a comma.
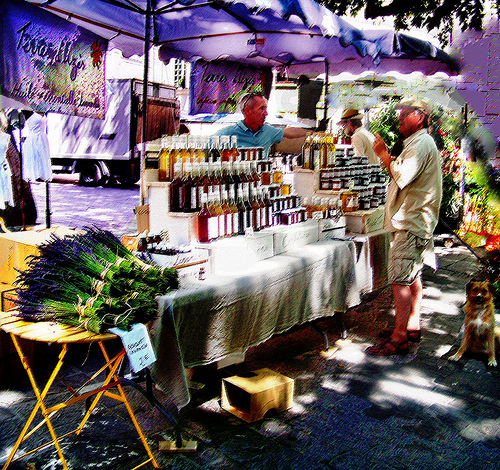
[{"x": 91, "y": 280}]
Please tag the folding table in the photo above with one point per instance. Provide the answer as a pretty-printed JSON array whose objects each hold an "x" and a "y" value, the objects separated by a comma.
[{"x": 64, "y": 335}]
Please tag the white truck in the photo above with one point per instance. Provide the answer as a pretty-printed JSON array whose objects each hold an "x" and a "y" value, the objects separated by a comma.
[{"x": 108, "y": 150}]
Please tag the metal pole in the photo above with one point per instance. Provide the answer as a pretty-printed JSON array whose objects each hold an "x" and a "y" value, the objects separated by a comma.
[
  {"x": 147, "y": 42},
  {"x": 325, "y": 109},
  {"x": 47, "y": 205}
]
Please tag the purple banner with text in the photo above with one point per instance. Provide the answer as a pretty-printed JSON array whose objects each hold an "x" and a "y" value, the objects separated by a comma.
[
  {"x": 50, "y": 64},
  {"x": 216, "y": 87}
]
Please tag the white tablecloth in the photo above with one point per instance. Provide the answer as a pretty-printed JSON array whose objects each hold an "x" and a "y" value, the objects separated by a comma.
[{"x": 228, "y": 314}]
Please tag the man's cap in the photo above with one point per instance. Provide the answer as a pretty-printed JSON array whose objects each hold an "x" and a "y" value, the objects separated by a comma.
[
  {"x": 350, "y": 114},
  {"x": 419, "y": 104}
]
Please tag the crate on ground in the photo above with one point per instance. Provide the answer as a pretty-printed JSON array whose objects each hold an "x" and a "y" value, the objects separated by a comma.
[{"x": 251, "y": 396}]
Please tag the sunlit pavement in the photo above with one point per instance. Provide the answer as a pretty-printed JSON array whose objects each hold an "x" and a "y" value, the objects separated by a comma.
[{"x": 350, "y": 410}]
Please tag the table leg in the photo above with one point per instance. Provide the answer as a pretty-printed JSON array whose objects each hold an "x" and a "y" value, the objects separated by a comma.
[
  {"x": 127, "y": 405},
  {"x": 40, "y": 396}
]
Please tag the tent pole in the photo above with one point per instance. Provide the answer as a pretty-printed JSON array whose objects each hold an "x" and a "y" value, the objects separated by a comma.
[
  {"x": 325, "y": 108},
  {"x": 147, "y": 41}
]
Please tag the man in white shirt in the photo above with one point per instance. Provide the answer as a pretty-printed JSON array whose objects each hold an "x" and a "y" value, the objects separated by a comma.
[
  {"x": 411, "y": 215},
  {"x": 361, "y": 139}
]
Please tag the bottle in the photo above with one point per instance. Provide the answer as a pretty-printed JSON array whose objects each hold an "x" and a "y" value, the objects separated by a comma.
[
  {"x": 315, "y": 153},
  {"x": 245, "y": 179},
  {"x": 228, "y": 216},
  {"x": 221, "y": 220},
  {"x": 175, "y": 185},
  {"x": 184, "y": 152},
  {"x": 197, "y": 186},
  {"x": 254, "y": 175},
  {"x": 164, "y": 159},
  {"x": 234, "y": 216},
  {"x": 203, "y": 234},
  {"x": 269, "y": 209},
  {"x": 248, "y": 211},
  {"x": 255, "y": 211},
  {"x": 174, "y": 153},
  {"x": 188, "y": 195},
  {"x": 214, "y": 149},
  {"x": 262, "y": 209},
  {"x": 235, "y": 174},
  {"x": 241, "y": 212},
  {"x": 213, "y": 221},
  {"x": 225, "y": 150},
  {"x": 235, "y": 153},
  {"x": 306, "y": 151}
]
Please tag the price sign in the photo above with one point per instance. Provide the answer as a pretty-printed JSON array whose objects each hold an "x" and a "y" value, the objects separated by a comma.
[{"x": 138, "y": 346}]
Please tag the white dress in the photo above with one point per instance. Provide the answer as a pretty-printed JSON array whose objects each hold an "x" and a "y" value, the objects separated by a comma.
[
  {"x": 36, "y": 153},
  {"x": 6, "y": 193}
]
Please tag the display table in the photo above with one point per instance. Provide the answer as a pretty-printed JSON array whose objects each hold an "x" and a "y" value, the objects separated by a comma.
[
  {"x": 227, "y": 314},
  {"x": 65, "y": 335},
  {"x": 371, "y": 260}
]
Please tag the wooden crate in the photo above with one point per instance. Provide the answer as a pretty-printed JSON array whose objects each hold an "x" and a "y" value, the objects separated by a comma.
[{"x": 251, "y": 397}]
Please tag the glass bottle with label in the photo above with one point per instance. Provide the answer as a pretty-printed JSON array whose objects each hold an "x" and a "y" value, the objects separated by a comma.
[
  {"x": 187, "y": 196},
  {"x": 306, "y": 151},
  {"x": 214, "y": 148},
  {"x": 235, "y": 153},
  {"x": 175, "y": 201},
  {"x": 203, "y": 234},
  {"x": 164, "y": 159},
  {"x": 241, "y": 212}
]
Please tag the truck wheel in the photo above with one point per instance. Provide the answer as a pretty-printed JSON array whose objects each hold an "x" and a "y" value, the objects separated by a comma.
[
  {"x": 126, "y": 181},
  {"x": 90, "y": 174}
]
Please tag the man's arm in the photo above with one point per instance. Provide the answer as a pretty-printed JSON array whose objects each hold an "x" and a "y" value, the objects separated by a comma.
[{"x": 295, "y": 132}]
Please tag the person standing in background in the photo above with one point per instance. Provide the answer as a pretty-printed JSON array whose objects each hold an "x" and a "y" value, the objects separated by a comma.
[
  {"x": 411, "y": 215},
  {"x": 361, "y": 139}
]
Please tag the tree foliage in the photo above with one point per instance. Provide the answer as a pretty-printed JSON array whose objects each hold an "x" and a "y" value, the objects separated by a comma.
[{"x": 443, "y": 15}]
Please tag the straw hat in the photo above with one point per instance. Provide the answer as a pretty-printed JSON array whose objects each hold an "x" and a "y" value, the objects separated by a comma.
[
  {"x": 419, "y": 104},
  {"x": 350, "y": 114}
]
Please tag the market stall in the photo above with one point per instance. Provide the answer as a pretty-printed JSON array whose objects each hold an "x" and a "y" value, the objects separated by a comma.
[{"x": 294, "y": 37}]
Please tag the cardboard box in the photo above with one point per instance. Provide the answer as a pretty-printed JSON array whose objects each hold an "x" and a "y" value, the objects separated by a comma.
[
  {"x": 16, "y": 247},
  {"x": 142, "y": 218},
  {"x": 367, "y": 221},
  {"x": 294, "y": 236},
  {"x": 251, "y": 397}
]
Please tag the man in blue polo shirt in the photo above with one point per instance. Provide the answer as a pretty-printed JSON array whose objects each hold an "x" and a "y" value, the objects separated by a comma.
[{"x": 253, "y": 132}]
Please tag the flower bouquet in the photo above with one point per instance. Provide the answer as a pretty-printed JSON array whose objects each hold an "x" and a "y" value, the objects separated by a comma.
[{"x": 92, "y": 281}]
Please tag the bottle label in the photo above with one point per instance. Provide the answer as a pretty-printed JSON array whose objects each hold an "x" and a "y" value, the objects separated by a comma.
[
  {"x": 194, "y": 197},
  {"x": 221, "y": 222},
  {"x": 229, "y": 223},
  {"x": 213, "y": 228},
  {"x": 235, "y": 222}
]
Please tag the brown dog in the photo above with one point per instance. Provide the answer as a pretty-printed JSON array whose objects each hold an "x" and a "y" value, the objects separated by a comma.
[{"x": 480, "y": 332}]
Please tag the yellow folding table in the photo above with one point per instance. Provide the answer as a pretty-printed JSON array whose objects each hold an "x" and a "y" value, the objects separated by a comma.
[{"x": 64, "y": 335}]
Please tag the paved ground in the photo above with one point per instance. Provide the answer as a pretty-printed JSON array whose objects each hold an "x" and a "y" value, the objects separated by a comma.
[{"x": 350, "y": 411}]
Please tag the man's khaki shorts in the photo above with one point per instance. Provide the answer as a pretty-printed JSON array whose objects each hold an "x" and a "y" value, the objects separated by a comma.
[{"x": 406, "y": 257}]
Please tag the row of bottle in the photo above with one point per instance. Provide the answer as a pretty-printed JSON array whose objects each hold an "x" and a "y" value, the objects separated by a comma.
[
  {"x": 202, "y": 149},
  {"x": 318, "y": 151},
  {"x": 221, "y": 218},
  {"x": 191, "y": 181}
]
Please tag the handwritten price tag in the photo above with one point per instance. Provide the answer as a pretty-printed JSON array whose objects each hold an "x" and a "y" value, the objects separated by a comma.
[{"x": 137, "y": 343}]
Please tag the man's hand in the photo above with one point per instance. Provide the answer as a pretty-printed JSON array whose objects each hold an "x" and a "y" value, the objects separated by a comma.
[
  {"x": 379, "y": 146},
  {"x": 380, "y": 149}
]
